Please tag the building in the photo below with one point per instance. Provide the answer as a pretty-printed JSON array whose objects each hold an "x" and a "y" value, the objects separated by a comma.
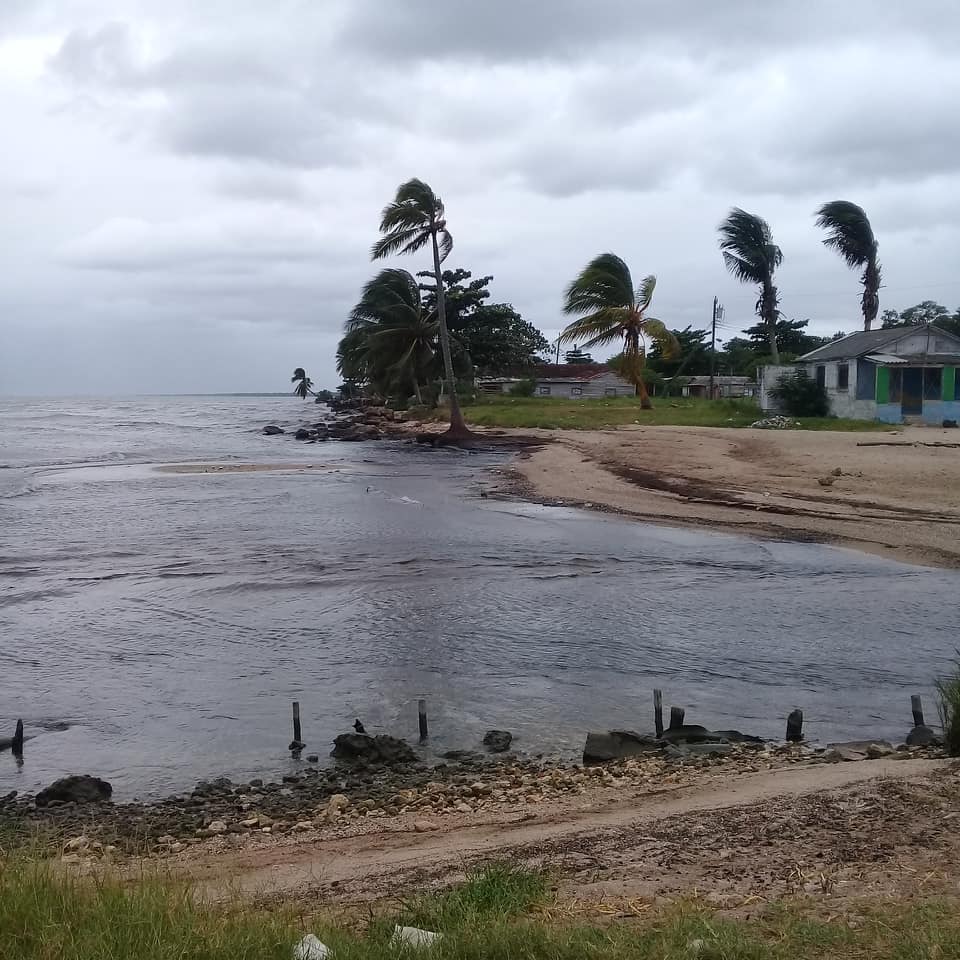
[
  {"x": 904, "y": 374},
  {"x": 580, "y": 380},
  {"x": 723, "y": 386}
]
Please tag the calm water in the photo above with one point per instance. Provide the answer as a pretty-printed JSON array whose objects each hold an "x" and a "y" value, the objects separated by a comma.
[{"x": 171, "y": 619}]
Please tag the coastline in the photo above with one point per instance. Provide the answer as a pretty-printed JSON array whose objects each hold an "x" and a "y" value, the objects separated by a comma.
[{"x": 898, "y": 501}]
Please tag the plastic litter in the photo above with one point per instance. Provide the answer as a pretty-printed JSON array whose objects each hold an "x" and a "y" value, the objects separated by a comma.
[
  {"x": 414, "y": 937},
  {"x": 310, "y": 948}
]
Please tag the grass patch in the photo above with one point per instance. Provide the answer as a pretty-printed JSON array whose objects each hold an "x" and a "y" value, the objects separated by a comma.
[
  {"x": 948, "y": 690},
  {"x": 489, "y": 917},
  {"x": 556, "y": 413}
]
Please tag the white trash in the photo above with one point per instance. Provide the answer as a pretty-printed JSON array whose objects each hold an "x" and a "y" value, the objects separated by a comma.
[
  {"x": 413, "y": 937},
  {"x": 310, "y": 948}
]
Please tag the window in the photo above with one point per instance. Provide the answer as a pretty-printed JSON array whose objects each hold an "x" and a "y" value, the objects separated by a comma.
[
  {"x": 843, "y": 376},
  {"x": 544, "y": 391},
  {"x": 576, "y": 391},
  {"x": 610, "y": 392},
  {"x": 821, "y": 376}
]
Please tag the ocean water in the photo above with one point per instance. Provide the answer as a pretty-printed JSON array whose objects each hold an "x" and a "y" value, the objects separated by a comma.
[{"x": 155, "y": 627}]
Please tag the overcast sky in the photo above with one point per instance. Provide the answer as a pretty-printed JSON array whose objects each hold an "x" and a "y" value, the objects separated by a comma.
[{"x": 189, "y": 188}]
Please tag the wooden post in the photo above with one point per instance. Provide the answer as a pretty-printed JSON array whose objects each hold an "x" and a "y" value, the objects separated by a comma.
[
  {"x": 916, "y": 705},
  {"x": 658, "y": 711},
  {"x": 16, "y": 745},
  {"x": 795, "y": 726},
  {"x": 297, "y": 744},
  {"x": 422, "y": 717},
  {"x": 676, "y": 717}
]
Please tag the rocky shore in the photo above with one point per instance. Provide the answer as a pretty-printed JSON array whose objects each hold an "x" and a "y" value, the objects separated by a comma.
[
  {"x": 361, "y": 795},
  {"x": 348, "y": 420}
]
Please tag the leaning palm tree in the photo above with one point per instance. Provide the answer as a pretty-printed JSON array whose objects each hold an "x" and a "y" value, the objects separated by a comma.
[
  {"x": 395, "y": 336},
  {"x": 304, "y": 385},
  {"x": 414, "y": 219},
  {"x": 613, "y": 310},
  {"x": 752, "y": 257},
  {"x": 851, "y": 235}
]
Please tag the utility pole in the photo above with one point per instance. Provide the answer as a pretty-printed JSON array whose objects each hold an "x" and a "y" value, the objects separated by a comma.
[{"x": 713, "y": 347}]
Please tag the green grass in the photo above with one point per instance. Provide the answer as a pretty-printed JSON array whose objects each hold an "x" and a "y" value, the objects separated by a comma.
[
  {"x": 494, "y": 915},
  {"x": 556, "y": 413},
  {"x": 948, "y": 690}
]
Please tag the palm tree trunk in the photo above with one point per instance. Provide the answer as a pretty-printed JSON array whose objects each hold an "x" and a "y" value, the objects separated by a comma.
[
  {"x": 416, "y": 392},
  {"x": 768, "y": 309},
  {"x": 870, "y": 301},
  {"x": 635, "y": 366},
  {"x": 458, "y": 426}
]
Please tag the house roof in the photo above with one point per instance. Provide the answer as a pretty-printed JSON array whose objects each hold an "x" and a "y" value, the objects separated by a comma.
[
  {"x": 566, "y": 372},
  {"x": 872, "y": 341},
  {"x": 703, "y": 380}
]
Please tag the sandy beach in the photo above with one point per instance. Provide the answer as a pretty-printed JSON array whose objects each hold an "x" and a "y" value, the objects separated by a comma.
[{"x": 894, "y": 494}]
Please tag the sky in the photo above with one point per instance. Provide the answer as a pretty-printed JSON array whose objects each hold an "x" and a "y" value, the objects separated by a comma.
[{"x": 189, "y": 190}]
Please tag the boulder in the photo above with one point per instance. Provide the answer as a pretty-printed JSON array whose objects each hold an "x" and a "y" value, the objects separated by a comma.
[
  {"x": 691, "y": 733},
  {"x": 362, "y": 748},
  {"x": 602, "y": 747},
  {"x": 923, "y": 737},
  {"x": 871, "y": 748},
  {"x": 79, "y": 789},
  {"x": 273, "y": 431},
  {"x": 497, "y": 741},
  {"x": 304, "y": 434}
]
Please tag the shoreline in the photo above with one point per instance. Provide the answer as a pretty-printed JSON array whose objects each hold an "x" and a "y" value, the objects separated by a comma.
[{"x": 755, "y": 483}]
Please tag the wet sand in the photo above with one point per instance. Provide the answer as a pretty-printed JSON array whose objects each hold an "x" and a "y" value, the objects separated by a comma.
[{"x": 900, "y": 501}]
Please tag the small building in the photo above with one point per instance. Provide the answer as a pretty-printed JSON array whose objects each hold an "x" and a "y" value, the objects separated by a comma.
[
  {"x": 723, "y": 386},
  {"x": 904, "y": 374},
  {"x": 574, "y": 381}
]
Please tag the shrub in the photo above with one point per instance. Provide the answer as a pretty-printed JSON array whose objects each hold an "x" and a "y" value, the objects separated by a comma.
[
  {"x": 800, "y": 396},
  {"x": 523, "y": 388},
  {"x": 949, "y": 691}
]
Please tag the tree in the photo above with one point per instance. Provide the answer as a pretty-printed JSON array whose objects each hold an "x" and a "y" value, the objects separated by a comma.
[
  {"x": 791, "y": 339},
  {"x": 413, "y": 220},
  {"x": 928, "y": 311},
  {"x": 850, "y": 234},
  {"x": 304, "y": 385},
  {"x": 691, "y": 358},
  {"x": 800, "y": 395},
  {"x": 394, "y": 336},
  {"x": 611, "y": 309},
  {"x": 752, "y": 257}
]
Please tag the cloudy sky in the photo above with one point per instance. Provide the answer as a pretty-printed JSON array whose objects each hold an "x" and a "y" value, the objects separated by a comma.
[{"x": 189, "y": 188}]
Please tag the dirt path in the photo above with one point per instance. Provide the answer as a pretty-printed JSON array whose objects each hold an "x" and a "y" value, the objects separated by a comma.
[
  {"x": 900, "y": 501},
  {"x": 627, "y": 828}
]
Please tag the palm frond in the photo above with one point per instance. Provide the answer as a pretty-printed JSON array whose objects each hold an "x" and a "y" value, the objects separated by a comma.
[
  {"x": 744, "y": 270},
  {"x": 657, "y": 331},
  {"x": 446, "y": 244},
  {"x": 849, "y": 232},
  {"x": 604, "y": 282},
  {"x": 607, "y": 323},
  {"x": 644, "y": 292},
  {"x": 398, "y": 216},
  {"x": 748, "y": 247},
  {"x": 397, "y": 242},
  {"x": 298, "y": 374}
]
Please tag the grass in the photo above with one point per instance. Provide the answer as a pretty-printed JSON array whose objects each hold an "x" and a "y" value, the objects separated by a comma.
[
  {"x": 948, "y": 690},
  {"x": 497, "y": 914},
  {"x": 556, "y": 413}
]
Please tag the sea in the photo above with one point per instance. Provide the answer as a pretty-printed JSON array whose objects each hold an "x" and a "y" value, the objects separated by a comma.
[{"x": 156, "y": 627}]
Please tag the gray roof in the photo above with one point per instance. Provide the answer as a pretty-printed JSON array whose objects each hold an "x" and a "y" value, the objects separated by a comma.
[{"x": 871, "y": 341}]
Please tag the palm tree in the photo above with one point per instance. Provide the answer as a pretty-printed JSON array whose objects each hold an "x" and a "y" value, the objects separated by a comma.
[
  {"x": 851, "y": 235},
  {"x": 613, "y": 310},
  {"x": 414, "y": 219},
  {"x": 752, "y": 257},
  {"x": 304, "y": 385},
  {"x": 394, "y": 337}
]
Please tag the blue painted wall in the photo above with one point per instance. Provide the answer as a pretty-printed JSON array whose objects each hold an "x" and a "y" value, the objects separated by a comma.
[
  {"x": 936, "y": 411},
  {"x": 889, "y": 413}
]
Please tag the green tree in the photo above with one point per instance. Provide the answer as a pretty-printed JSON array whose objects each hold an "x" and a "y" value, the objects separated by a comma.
[
  {"x": 691, "y": 358},
  {"x": 304, "y": 385},
  {"x": 752, "y": 257},
  {"x": 612, "y": 309},
  {"x": 792, "y": 341},
  {"x": 850, "y": 234},
  {"x": 395, "y": 338},
  {"x": 415, "y": 219}
]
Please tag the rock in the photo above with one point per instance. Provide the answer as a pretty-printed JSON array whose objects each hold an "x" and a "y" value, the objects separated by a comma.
[
  {"x": 79, "y": 789},
  {"x": 310, "y": 948},
  {"x": 735, "y": 736},
  {"x": 708, "y": 749},
  {"x": 877, "y": 750},
  {"x": 250, "y": 823},
  {"x": 497, "y": 741},
  {"x": 775, "y": 423},
  {"x": 460, "y": 756},
  {"x": 424, "y": 826},
  {"x": 313, "y": 758},
  {"x": 76, "y": 845},
  {"x": 616, "y": 745},
  {"x": 413, "y": 937},
  {"x": 302, "y": 826},
  {"x": 217, "y": 826},
  {"x": 463, "y": 807},
  {"x": 861, "y": 749},
  {"x": 838, "y": 753},
  {"x": 362, "y": 748},
  {"x": 337, "y": 804},
  {"x": 691, "y": 733},
  {"x": 923, "y": 737},
  {"x": 272, "y": 431},
  {"x": 949, "y": 424},
  {"x": 304, "y": 434}
]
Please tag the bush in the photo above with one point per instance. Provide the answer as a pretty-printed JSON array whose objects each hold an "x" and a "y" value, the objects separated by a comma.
[
  {"x": 801, "y": 396},
  {"x": 949, "y": 691},
  {"x": 523, "y": 388}
]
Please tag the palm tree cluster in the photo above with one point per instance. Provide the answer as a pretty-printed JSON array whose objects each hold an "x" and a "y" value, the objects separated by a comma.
[{"x": 391, "y": 340}]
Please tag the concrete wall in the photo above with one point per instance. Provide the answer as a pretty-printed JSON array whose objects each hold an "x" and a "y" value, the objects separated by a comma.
[
  {"x": 923, "y": 343},
  {"x": 768, "y": 377},
  {"x": 936, "y": 411},
  {"x": 889, "y": 413}
]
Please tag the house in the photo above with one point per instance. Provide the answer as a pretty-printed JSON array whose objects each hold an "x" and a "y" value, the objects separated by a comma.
[
  {"x": 904, "y": 374},
  {"x": 723, "y": 386},
  {"x": 580, "y": 380}
]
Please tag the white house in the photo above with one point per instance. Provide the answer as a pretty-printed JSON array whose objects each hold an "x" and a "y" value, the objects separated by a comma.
[
  {"x": 580, "y": 380},
  {"x": 904, "y": 374}
]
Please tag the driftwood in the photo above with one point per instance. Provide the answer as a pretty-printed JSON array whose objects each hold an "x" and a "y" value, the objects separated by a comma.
[{"x": 907, "y": 443}]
